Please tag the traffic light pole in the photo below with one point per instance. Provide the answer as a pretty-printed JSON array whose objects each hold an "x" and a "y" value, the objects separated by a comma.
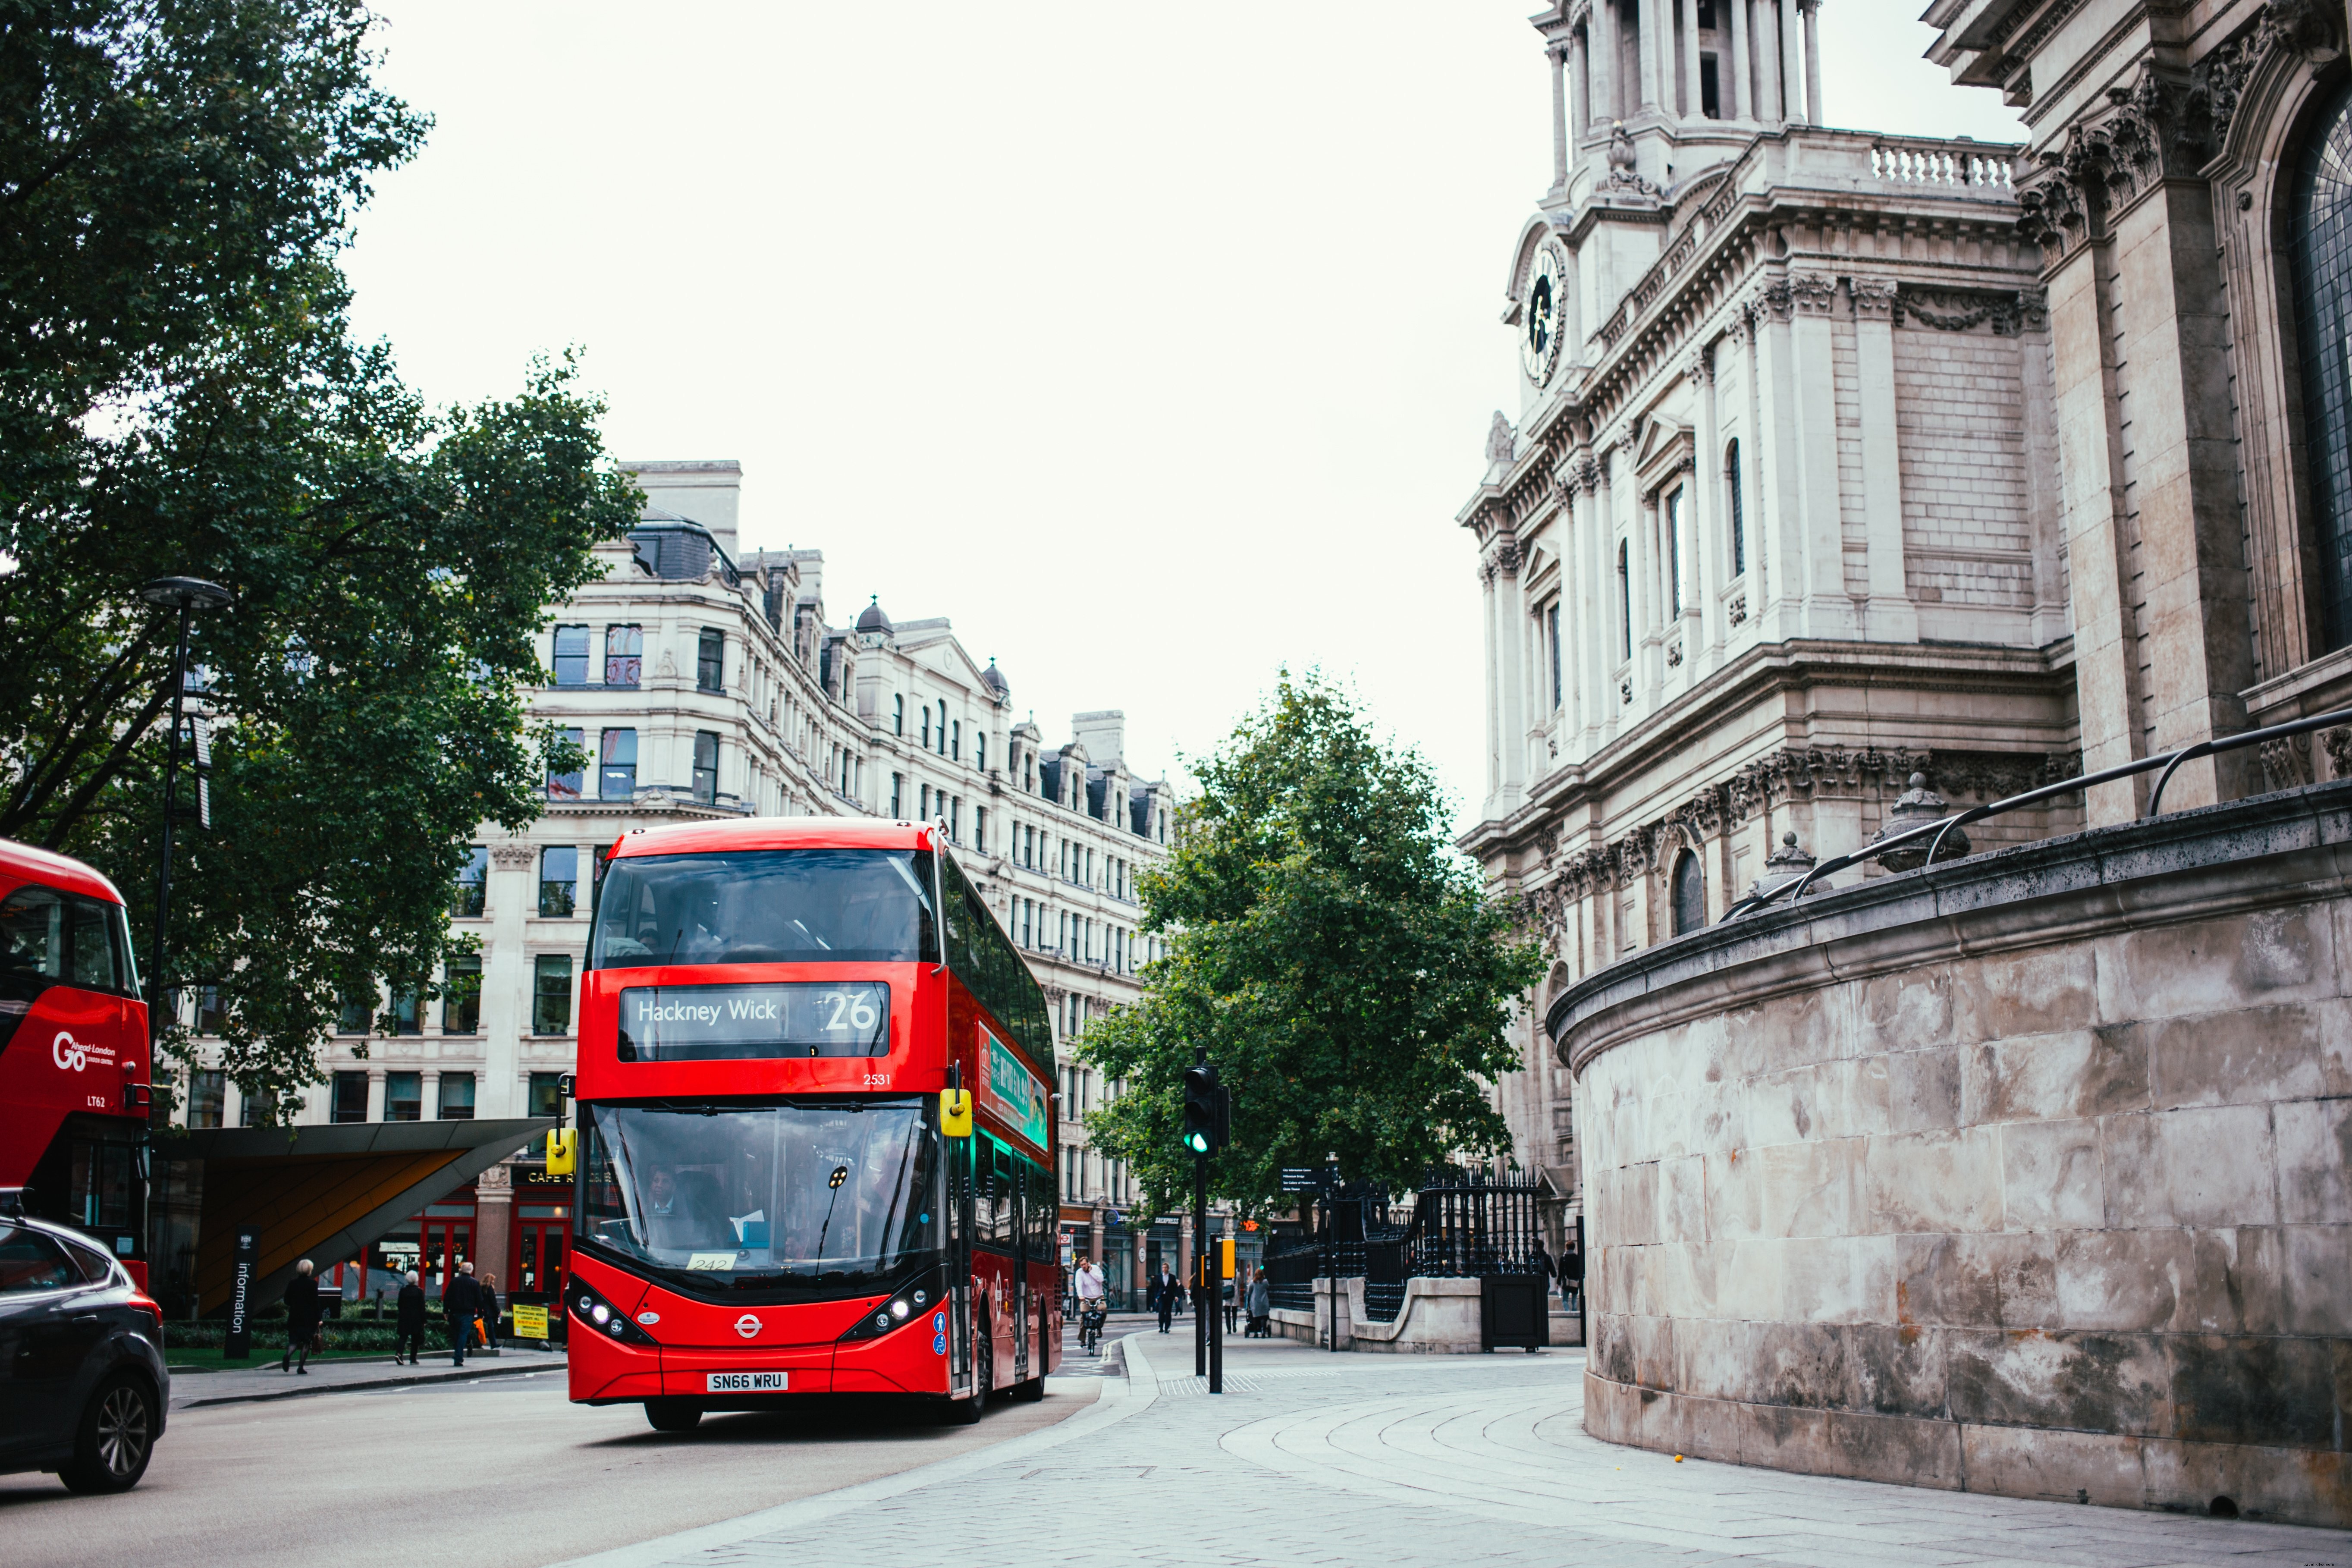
[
  {"x": 1200, "y": 1264},
  {"x": 1217, "y": 1319}
]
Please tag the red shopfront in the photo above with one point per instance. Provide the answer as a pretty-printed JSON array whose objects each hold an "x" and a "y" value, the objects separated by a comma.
[{"x": 542, "y": 1244}]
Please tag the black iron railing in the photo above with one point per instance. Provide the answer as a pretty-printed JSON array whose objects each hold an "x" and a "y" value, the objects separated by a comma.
[
  {"x": 1936, "y": 831},
  {"x": 1466, "y": 1224}
]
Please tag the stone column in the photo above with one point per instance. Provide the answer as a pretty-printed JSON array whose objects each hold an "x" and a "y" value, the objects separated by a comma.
[
  {"x": 1600, "y": 611},
  {"x": 1891, "y": 616},
  {"x": 1777, "y": 603},
  {"x": 1653, "y": 62},
  {"x": 1566, "y": 545},
  {"x": 1811, "y": 10},
  {"x": 1579, "y": 94},
  {"x": 1643, "y": 566},
  {"x": 1770, "y": 105},
  {"x": 1742, "y": 105},
  {"x": 1829, "y": 610},
  {"x": 375, "y": 1094},
  {"x": 1792, "y": 71},
  {"x": 1604, "y": 55},
  {"x": 1558, "y": 55},
  {"x": 1693, "y": 102},
  {"x": 1711, "y": 543},
  {"x": 1493, "y": 682},
  {"x": 1519, "y": 713},
  {"x": 428, "y": 1098},
  {"x": 493, "y": 1225}
]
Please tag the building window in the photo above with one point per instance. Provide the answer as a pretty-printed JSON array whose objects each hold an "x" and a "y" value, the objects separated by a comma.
[
  {"x": 473, "y": 885},
  {"x": 356, "y": 1014},
  {"x": 207, "y": 1095},
  {"x": 546, "y": 1094},
  {"x": 624, "y": 651},
  {"x": 404, "y": 1096},
  {"x": 898, "y": 792},
  {"x": 350, "y": 1101},
  {"x": 1738, "y": 509},
  {"x": 550, "y": 993},
  {"x": 926, "y": 726},
  {"x": 955, "y": 819},
  {"x": 2321, "y": 247},
  {"x": 407, "y": 1010},
  {"x": 1551, "y": 635},
  {"x": 210, "y": 1014},
  {"x": 1675, "y": 554},
  {"x": 571, "y": 655},
  {"x": 955, "y": 741},
  {"x": 705, "y": 767},
  {"x": 456, "y": 1097},
  {"x": 616, "y": 765},
  {"x": 1625, "y": 594},
  {"x": 563, "y": 785},
  {"x": 558, "y": 879},
  {"x": 1689, "y": 893},
  {"x": 711, "y": 661},
  {"x": 899, "y": 714},
  {"x": 461, "y": 999},
  {"x": 926, "y": 815},
  {"x": 980, "y": 752},
  {"x": 980, "y": 828}
]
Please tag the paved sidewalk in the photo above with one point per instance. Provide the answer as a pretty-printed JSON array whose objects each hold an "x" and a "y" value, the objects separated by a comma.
[
  {"x": 1442, "y": 1460},
  {"x": 262, "y": 1380}
]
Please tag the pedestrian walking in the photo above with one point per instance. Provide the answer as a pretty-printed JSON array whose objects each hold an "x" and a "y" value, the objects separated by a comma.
[
  {"x": 1165, "y": 1290},
  {"x": 1230, "y": 1291},
  {"x": 1261, "y": 1307},
  {"x": 302, "y": 1317},
  {"x": 408, "y": 1327},
  {"x": 458, "y": 1303},
  {"x": 488, "y": 1315}
]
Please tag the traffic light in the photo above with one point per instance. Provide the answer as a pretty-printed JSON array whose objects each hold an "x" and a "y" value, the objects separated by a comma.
[
  {"x": 562, "y": 1151},
  {"x": 1224, "y": 1257},
  {"x": 1203, "y": 1115}
]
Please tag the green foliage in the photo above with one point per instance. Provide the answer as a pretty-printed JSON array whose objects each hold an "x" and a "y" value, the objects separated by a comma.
[
  {"x": 179, "y": 394},
  {"x": 1336, "y": 959}
]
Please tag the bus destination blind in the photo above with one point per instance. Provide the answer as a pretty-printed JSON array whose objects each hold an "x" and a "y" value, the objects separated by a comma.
[{"x": 748, "y": 1023}]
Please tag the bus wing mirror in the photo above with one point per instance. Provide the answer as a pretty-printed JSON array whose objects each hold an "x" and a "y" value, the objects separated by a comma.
[
  {"x": 955, "y": 1113},
  {"x": 562, "y": 1151}
]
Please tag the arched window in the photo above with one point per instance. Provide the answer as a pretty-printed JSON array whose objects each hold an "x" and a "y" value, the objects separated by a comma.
[
  {"x": 1738, "y": 510},
  {"x": 2321, "y": 247},
  {"x": 1689, "y": 893},
  {"x": 1625, "y": 596},
  {"x": 899, "y": 714}
]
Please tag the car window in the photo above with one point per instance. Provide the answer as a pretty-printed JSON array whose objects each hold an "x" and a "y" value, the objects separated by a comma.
[
  {"x": 33, "y": 932},
  {"x": 97, "y": 1268},
  {"x": 31, "y": 1261}
]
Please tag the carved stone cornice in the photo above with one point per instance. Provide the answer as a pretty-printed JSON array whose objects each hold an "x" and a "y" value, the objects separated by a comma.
[
  {"x": 1814, "y": 293},
  {"x": 1874, "y": 298},
  {"x": 1965, "y": 309}
]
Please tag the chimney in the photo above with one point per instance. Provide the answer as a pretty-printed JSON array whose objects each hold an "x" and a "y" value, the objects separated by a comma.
[
  {"x": 703, "y": 490},
  {"x": 1103, "y": 734}
]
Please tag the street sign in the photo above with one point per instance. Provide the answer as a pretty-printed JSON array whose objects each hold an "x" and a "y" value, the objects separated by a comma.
[
  {"x": 529, "y": 1323},
  {"x": 246, "y": 1262},
  {"x": 1300, "y": 1179}
]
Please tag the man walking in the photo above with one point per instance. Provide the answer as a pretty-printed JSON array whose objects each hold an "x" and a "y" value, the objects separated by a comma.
[
  {"x": 408, "y": 1327},
  {"x": 457, "y": 1304},
  {"x": 301, "y": 1316},
  {"x": 1164, "y": 1295}
]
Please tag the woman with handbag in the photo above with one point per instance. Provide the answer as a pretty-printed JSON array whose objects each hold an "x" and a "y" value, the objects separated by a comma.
[{"x": 302, "y": 1317}]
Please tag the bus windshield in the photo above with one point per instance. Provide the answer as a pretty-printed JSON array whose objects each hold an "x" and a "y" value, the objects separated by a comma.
[
  {"x": 768, "y": 1196},
  {"x": 765, "y": 906}
]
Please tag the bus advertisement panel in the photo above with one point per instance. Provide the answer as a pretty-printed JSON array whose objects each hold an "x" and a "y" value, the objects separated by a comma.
[{"x": 768, "y": 1200}]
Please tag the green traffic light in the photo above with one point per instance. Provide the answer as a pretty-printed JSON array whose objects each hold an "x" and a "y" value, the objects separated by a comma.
[{"x": 1197, "y": 1142}]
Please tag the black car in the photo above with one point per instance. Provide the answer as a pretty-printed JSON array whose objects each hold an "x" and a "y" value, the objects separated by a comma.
[{"x": 83, "y": 1385}]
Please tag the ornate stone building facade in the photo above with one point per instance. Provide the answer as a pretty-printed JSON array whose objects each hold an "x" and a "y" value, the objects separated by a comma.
[{"x": 1777, "y": 527}]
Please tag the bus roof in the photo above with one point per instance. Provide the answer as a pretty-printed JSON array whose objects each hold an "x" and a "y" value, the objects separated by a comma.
[
  {"x": 775, "y": 833},
  {"x": 28, "y": 863}
]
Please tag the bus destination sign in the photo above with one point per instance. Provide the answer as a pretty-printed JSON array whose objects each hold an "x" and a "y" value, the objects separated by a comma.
[
  {"x": 745, "y": 1023},
  {"x": 1010, "y": 1092}
]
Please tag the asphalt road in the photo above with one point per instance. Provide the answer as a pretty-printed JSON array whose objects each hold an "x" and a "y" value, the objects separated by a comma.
[{"x": 505, "y": 1471}]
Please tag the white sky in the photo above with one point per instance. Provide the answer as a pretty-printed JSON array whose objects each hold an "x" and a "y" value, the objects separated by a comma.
[{"x": 1154, "y": 345}]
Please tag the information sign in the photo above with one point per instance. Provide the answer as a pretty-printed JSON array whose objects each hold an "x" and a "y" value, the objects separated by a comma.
[{"x": 529, "y": 1323}]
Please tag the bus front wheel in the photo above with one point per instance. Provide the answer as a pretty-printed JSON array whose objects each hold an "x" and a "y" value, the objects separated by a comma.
[
  {"x": 673, "y": 1414},
  {"x": 964, "y": 1412}
]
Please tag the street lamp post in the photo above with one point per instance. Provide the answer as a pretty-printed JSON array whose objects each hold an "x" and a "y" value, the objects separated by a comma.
[{"x": 187, "y": 595}]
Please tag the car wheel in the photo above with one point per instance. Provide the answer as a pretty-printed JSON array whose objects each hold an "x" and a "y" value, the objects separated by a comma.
[
  {"x": 673, "y": 1414},
  {"x": 115, "y": 1439}
]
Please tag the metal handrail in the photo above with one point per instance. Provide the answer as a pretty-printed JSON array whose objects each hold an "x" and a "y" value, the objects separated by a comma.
[{"x": 2169, "y": 762}]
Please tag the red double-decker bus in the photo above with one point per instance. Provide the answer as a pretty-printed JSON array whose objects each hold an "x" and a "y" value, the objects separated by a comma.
[
  {"x": 74, "y": 1064},
  {"x": 815, "y": 1138}
]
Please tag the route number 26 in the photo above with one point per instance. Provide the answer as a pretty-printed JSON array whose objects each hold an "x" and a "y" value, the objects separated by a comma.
[{"x": 849, "y": 1012}]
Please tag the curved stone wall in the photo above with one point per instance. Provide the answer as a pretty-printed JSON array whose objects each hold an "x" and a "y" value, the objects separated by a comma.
[{"x": 2025, "y": 1175}]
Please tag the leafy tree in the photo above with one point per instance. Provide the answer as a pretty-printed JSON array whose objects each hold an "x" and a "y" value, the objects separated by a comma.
[
  {"x": 1338, "y": 960},
  {"x": 179, "y": 393}
]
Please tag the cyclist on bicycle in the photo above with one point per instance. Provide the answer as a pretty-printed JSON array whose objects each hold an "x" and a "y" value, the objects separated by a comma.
[{"x": 1089, "y": 1286}]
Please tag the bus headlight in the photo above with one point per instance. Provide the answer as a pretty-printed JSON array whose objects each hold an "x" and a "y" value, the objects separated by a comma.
[
  {"x": 888, "y": 1315},
  {"x": 591, "y": 1308}
]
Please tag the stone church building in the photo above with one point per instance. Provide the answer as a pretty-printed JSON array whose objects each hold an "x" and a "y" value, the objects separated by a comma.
[{"x": 1856, "y": 479}]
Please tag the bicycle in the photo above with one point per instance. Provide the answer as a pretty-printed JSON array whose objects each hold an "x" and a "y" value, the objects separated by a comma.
[{"x": 1090, "y": 1328}]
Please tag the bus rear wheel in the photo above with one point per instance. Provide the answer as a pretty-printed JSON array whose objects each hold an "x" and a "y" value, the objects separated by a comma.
[{"x": 673, "y": 1414}]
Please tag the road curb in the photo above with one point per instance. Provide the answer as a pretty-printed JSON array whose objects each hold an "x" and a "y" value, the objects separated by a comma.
[
  {"x": 465, "y": 1374},
  {"x": 1119, "y": 1398}
]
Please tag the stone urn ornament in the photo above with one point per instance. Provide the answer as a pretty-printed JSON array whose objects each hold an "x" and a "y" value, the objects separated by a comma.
[
  {"x": 1917, "y": 806},
  {"x": 1787, "y": 861}
]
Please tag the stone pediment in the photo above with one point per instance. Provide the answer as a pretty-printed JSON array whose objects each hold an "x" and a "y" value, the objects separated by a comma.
[{"x": 1663, "y": 449}]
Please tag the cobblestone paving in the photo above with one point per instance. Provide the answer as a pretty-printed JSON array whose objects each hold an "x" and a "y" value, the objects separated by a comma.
[{"x": 1313, "y": 1459}]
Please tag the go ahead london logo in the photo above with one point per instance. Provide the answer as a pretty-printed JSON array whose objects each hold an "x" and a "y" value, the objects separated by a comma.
[{"x": 74, "y": 1055}]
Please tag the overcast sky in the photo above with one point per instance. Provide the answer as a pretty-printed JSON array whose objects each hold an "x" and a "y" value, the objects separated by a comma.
[{"x": 1154, "y": 345}]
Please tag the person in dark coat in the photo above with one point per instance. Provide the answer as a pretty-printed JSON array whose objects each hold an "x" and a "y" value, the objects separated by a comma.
[
  {"x": 458, "y": 1303},
  {"x": 408, "y": 1329},
  {"x": 1165, "y": 1290},
  {"x": 302, "y": 1317},
  {"x": 1261, "y": 1307}
]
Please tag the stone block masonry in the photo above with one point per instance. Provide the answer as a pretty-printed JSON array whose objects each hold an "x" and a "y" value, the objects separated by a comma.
[{"x": 2026, "y": 1176}]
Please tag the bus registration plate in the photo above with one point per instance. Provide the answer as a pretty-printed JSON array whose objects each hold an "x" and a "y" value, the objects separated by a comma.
[{"x": 747, "y": 1382}]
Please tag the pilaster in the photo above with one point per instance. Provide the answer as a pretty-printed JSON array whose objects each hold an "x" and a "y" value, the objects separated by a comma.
[
  {"x": 1890, "y": 616},
  {"x": 1829, "y": 611}
]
